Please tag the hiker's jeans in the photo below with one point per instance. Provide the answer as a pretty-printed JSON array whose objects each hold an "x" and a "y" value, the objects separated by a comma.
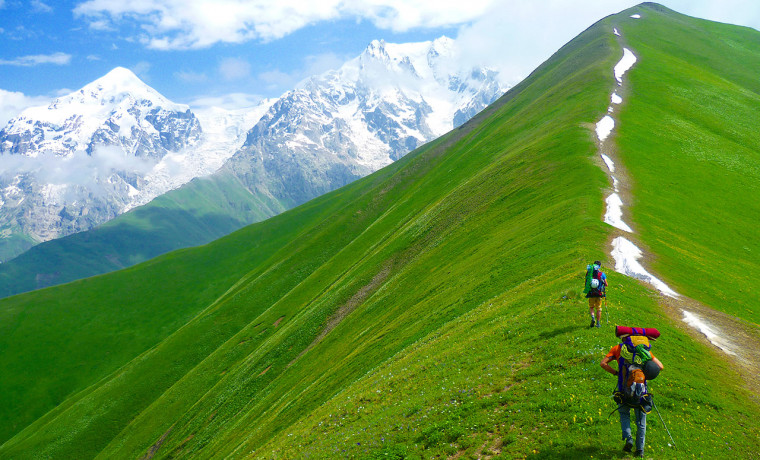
[{"x": 641, "y": 425}]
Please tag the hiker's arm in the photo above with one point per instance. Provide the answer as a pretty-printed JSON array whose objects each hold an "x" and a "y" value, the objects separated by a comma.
[
  {"x": 605, "y": 365},
  {"x": 657, "y": 361}
]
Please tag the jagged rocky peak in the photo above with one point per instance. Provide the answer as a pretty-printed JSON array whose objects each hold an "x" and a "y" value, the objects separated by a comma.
[
  {"x": 119, "y": 86},
  {"x": 441, "y": 46},
  {"x": 351, "y": 121},
  {"x": 129, "y": 144},
  {"x": 376, "y": 49}
]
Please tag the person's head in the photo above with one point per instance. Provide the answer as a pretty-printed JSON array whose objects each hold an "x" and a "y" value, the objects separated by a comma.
[{"x": 596, "y": 262}]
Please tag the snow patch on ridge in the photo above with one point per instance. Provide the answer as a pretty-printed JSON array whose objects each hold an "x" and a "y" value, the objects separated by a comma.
[
  {"x": 604, "y": 127},
  {"x": 636, "y": 16},
  {"x": 608, "y": 161},
  {"x": 614, "y": 214},
  {"x": 706, "y": 328},
  {"x": 616, "y": 99},
  {"x": 626, "y": 255},
  {"x": 616, "y": 31},
  {"x": 625, "y": 63}
]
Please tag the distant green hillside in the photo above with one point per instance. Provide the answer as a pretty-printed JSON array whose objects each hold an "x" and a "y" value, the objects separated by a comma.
[
  {"x": 430, "y": 309},
  {"x": 201, "y": 211}
]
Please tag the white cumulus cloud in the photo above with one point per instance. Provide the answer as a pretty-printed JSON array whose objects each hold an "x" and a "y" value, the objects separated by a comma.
[
  {"x": 40, "y": 7},
  {"x": 13, "y": 103},
  {"x": 77, "y": 170},
  {"x": 38, "y": 59},
  {"x": 316, "y": 64},
  {"x": 179, "y": 24}
]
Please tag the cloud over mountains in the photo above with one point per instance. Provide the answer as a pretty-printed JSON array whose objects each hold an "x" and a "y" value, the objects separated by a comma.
[{"x": 175, "y": 24}]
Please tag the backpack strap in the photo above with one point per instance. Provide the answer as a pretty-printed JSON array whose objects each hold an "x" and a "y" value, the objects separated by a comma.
[{"x": 622, "y": 368}]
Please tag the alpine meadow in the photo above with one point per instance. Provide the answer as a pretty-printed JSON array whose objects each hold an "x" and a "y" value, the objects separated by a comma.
[{"x": 433, "y": 309}]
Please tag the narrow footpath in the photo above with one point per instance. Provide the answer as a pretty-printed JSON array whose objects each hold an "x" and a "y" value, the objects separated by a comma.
[{"x": 706, "y": 324}]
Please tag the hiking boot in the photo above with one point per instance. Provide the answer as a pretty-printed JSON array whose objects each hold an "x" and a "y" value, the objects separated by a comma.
[
  {"x": 639, "y": 453},
  {"x": 628, "y": 445},
  {"x": 592, "y": 322}
]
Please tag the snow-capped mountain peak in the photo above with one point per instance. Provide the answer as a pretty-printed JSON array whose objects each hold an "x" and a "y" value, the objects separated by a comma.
[
  {"x": 116, "y": 105},
  {"x": 80, "y": 160},
  {"x": 117, "y": 85}
]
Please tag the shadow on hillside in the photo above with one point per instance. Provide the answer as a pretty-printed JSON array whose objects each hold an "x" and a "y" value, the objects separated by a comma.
[{"x": 559, "y": 331}]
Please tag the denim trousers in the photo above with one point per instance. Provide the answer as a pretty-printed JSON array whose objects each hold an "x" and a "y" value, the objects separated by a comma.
[{"x": 641, "y": 425}]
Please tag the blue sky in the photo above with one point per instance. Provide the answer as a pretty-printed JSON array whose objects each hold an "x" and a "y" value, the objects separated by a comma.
[{"x": 234, "y": 52}]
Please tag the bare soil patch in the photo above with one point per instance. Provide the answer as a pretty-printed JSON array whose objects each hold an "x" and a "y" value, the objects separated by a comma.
[
  {"x": 154, "y": 448},
  {"x": 344, "y": 310}
]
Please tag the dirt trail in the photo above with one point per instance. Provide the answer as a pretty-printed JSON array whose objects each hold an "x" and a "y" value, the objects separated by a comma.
[{"x": 739, "y": 337}]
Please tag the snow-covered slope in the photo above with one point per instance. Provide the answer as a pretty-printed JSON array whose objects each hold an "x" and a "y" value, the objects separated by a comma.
[{"x": 224, "y": 132}]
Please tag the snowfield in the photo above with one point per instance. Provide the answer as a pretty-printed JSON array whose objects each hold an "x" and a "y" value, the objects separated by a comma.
[
  {"x": 604, "y": 127},
  {"x": 624, "y": 252},
  {"x": 627, "y": 256},
  {"x": 625, "y": 63},
  {"x": 608, "y": 161},
  {"x": 614, "y": 214}
]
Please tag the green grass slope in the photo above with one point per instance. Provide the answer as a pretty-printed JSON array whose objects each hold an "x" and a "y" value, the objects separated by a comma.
[
  {"x": 689, "y": 139},
  {"x": 199, "y": 212},
  {"x": 345, "y": 228},
  {"x": 429, "y": 309},
  {"x": 13, "y": 244}
]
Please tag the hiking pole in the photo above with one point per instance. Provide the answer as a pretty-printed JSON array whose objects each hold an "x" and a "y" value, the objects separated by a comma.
[
  {"x": 607, "y": 310},
  {"x": 663, "y": 423}
]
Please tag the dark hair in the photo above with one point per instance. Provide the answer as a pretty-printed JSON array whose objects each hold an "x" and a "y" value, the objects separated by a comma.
[{"x": 596, "y": 262}]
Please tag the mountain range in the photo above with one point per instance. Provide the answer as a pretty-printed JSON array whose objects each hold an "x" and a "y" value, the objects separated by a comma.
[
  {"x": 117, "y": 143},
  {"x": 433, "y": 308}
]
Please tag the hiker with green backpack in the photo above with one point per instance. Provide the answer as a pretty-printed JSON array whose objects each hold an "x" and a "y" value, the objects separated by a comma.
[
  {"x": 595, "y": 290},
  {"x": 636, "y": 365}
]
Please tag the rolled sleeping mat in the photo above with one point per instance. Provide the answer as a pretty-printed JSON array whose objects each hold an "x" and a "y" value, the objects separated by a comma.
[{"x": 625, "y": 331}]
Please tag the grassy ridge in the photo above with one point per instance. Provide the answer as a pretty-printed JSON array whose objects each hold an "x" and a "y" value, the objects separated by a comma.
[
  {"x": 519, "y": 376},
  {"x": 14, "y": 244},
  {"x": 689, "y": 140}
]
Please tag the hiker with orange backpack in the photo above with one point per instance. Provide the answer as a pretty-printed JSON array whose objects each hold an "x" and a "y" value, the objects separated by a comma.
[
  {"x": 595, "y": 290},
  {"x": 636, "y": 365}
]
